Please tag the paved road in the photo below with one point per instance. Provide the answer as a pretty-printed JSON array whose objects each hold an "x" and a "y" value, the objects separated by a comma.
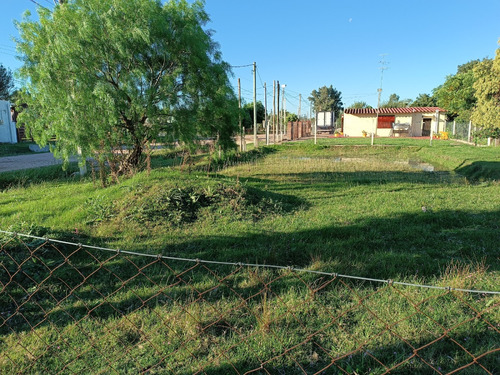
[{"x": 14, "y": 163}]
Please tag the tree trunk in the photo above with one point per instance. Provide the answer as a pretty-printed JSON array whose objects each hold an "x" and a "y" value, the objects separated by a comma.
[{"x": 133, "y": 159}]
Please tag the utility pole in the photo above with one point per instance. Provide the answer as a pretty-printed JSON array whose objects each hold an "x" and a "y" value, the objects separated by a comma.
[
  {"x": 284, "y": 115},
  {"x": 278, "y": 112},
  {"x": 266, "y": 125},
  {"x": 274, "y": 111},
  {"x": 382, "y": 68},
  {"x": 242, "y": 129},
  {"x": 255, "y": 145},
  {"x": 310, "y": 119},
  {"x": 300, "y": 104}
]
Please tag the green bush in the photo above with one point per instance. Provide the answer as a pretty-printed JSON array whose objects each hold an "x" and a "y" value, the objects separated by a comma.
[{"x": 182, "y": 205}]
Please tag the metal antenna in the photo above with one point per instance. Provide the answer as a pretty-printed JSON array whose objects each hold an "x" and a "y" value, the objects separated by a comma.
[{"x": 382, "y": 67}]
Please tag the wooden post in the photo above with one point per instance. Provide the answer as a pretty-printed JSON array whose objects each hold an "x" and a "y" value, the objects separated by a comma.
[
  {"x": 243, "y": 146},
  {"x": 255, "y": 105},
  {"x": 274, "y": 111},
  {"x": 278, "y": 112},
  {"x": 283, "y": 128},
  {"x": 266, "y": 124},
  {"x": 470, "y": 131},
  {"x": 82, "y": 162},
  {"x": 300, "y": 104}
]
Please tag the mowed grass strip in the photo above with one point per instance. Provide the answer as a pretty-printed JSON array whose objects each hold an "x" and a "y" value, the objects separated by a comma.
[{"x": 334, "y": 207}]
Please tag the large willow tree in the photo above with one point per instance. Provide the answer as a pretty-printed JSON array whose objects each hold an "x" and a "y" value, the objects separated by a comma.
[{"x": 106, "y": 76}]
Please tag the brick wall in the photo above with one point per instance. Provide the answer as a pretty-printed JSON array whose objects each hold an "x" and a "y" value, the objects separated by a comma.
[{"x": 298, "y": 129}]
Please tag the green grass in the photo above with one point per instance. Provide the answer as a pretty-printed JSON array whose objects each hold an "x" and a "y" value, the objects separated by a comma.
[
  {"x": 12, "y": 149},
  {"x": 339, "y": 206}
]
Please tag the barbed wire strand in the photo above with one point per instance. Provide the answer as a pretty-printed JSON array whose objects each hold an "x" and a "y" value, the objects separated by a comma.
[{"x": 241, "y": 264}]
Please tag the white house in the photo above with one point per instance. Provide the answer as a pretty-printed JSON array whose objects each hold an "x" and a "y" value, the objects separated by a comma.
[
  {"x": 419, "y": 121},
  {"x": 7, "y": 126}
]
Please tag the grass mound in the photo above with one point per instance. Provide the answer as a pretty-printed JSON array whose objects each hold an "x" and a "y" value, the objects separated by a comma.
[{"x": 183, "y": 205}]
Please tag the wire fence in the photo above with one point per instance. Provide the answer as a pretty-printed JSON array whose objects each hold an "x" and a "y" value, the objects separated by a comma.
[
  {"x": 459, "y": 130},
  {"x": 69, "y": 308},
  {"x": 468, "y": 132}
]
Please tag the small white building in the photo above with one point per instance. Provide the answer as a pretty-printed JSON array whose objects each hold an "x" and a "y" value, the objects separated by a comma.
[
  {"x": 8, "y": 132},
  {"x": 419, "y": 120}
]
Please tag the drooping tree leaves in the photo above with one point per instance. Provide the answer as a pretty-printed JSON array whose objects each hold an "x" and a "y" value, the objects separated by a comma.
[{"x": 108, "y": 75}]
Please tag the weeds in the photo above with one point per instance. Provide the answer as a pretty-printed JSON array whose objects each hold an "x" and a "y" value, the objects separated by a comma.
[
  {"x": 294, "y": 205},
  {"x": 182, "y": 205},
  {"x": 99, "y": 209}
]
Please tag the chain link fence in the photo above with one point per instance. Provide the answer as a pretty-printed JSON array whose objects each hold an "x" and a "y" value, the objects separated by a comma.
[
  {"x": 468, "y": 132},
  {"x": 69, "y": 308},
  {"x": 459, "y": 130}
]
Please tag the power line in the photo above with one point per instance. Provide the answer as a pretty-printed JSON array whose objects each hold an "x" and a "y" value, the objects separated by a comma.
[
  {"x": 40, "y": 5},
  {"x": 240, "y": 66},
  {"x": 6, "y": 53},
  {"x": 262, "y": 84},
  {"x": 5, "y": 46}
]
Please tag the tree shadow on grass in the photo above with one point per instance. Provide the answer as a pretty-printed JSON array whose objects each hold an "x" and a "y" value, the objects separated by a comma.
[
  {"x": 407, "y": 246},
  {"x": 403, "y": 245},
  {"x": 57, "y": 284},
  {"x": 444, "y": 356},
  {"x": 356, "y": 178},
  {"x": 481, "y": 171}
]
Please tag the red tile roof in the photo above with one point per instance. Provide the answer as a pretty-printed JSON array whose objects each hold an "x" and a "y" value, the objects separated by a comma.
[{"x": 392, "y": 111}]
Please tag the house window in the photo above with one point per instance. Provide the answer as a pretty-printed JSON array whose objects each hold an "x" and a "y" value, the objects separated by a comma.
[{"x": 385, "y": 122}]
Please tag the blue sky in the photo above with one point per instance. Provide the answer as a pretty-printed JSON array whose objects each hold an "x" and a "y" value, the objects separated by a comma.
[{"x": 309, "y": 44}]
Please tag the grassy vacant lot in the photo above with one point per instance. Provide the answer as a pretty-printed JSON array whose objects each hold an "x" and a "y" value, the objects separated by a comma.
[{"x": 339, "y": 206}]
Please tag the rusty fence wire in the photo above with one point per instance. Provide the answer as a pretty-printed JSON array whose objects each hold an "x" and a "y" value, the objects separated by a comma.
[{"x": 68, "y": 308}]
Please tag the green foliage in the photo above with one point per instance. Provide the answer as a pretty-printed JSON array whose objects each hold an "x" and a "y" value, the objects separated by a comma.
[
  {"x": 360, "y": 105},
  {"x": 291, "y": 117},
  {"x": 456, "y": 94},
  {"x": 327, "y": 99},
  {"x": 247, "y": 119},
  {"x": 6, "y": 83},
  {"x": 99, "y": 209},
  {"x": 395, "y": 102},
  {"x": 104, "y": 74},
  {"x": 424, "y": 100},
  {"x": 486, "y": 113},
  {"x": 176, "y": 206},
  {"x": 181, "y": 205}
]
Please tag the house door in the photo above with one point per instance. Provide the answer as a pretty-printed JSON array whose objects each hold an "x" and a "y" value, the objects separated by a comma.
[{"x": 426, "y": 127}]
